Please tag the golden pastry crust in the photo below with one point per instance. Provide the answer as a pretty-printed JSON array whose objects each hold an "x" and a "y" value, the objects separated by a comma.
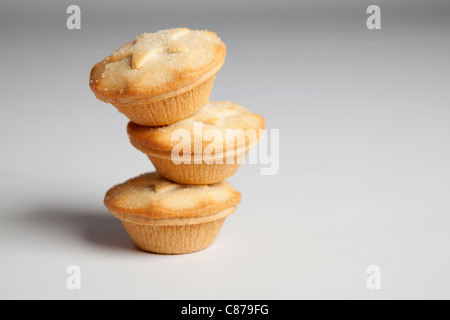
[
  {"x": 158, "y": 65},
  {"x": 150, "y": 195},
  {"x": 218, "y": 116},
  {"x": 192, "y": 173},
  {"x": 174, "y": 238}
]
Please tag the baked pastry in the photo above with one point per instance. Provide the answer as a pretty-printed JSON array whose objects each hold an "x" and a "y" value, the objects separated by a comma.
[
  {"x": 212, "y": 143},
  {"x": 164, "y": 217},
  {"x": 160, "y": 78}
]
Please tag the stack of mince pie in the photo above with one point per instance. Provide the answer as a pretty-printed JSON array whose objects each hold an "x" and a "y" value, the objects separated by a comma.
[{"x": 162, "y": 82}]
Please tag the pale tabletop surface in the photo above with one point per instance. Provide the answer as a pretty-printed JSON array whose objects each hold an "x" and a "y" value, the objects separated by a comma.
[{"x": 363, "y": 180}]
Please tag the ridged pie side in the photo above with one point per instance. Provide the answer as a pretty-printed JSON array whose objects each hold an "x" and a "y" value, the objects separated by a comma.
[
  {"x": 169, "y": 110},
  {"x": 193, "y": 173},
  {"x": 173, "y": 239}
]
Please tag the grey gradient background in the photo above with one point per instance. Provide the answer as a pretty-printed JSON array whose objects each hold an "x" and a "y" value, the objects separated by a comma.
[{"x": 364, "y": 120}]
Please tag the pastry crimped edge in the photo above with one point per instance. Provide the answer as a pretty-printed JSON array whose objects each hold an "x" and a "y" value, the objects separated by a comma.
[
  {"x": 173, "y": 235},
  {"x": 168, "y": 110},
  {"x": 173, "y": 239},
  {"x": 207, "y": 172}
]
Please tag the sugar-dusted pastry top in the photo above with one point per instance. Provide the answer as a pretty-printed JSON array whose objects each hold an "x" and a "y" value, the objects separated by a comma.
[
  {"x": 157, "y": 63},
  {"x": 152, "y": 196},
  {"x": 215, "y": 120}
]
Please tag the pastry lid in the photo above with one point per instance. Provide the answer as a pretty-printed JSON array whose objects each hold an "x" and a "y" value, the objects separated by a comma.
[
  {"x": 158, "y": 64},
  {"x": 218, "y": 127},
  {"x": 150, "y": 195}
]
